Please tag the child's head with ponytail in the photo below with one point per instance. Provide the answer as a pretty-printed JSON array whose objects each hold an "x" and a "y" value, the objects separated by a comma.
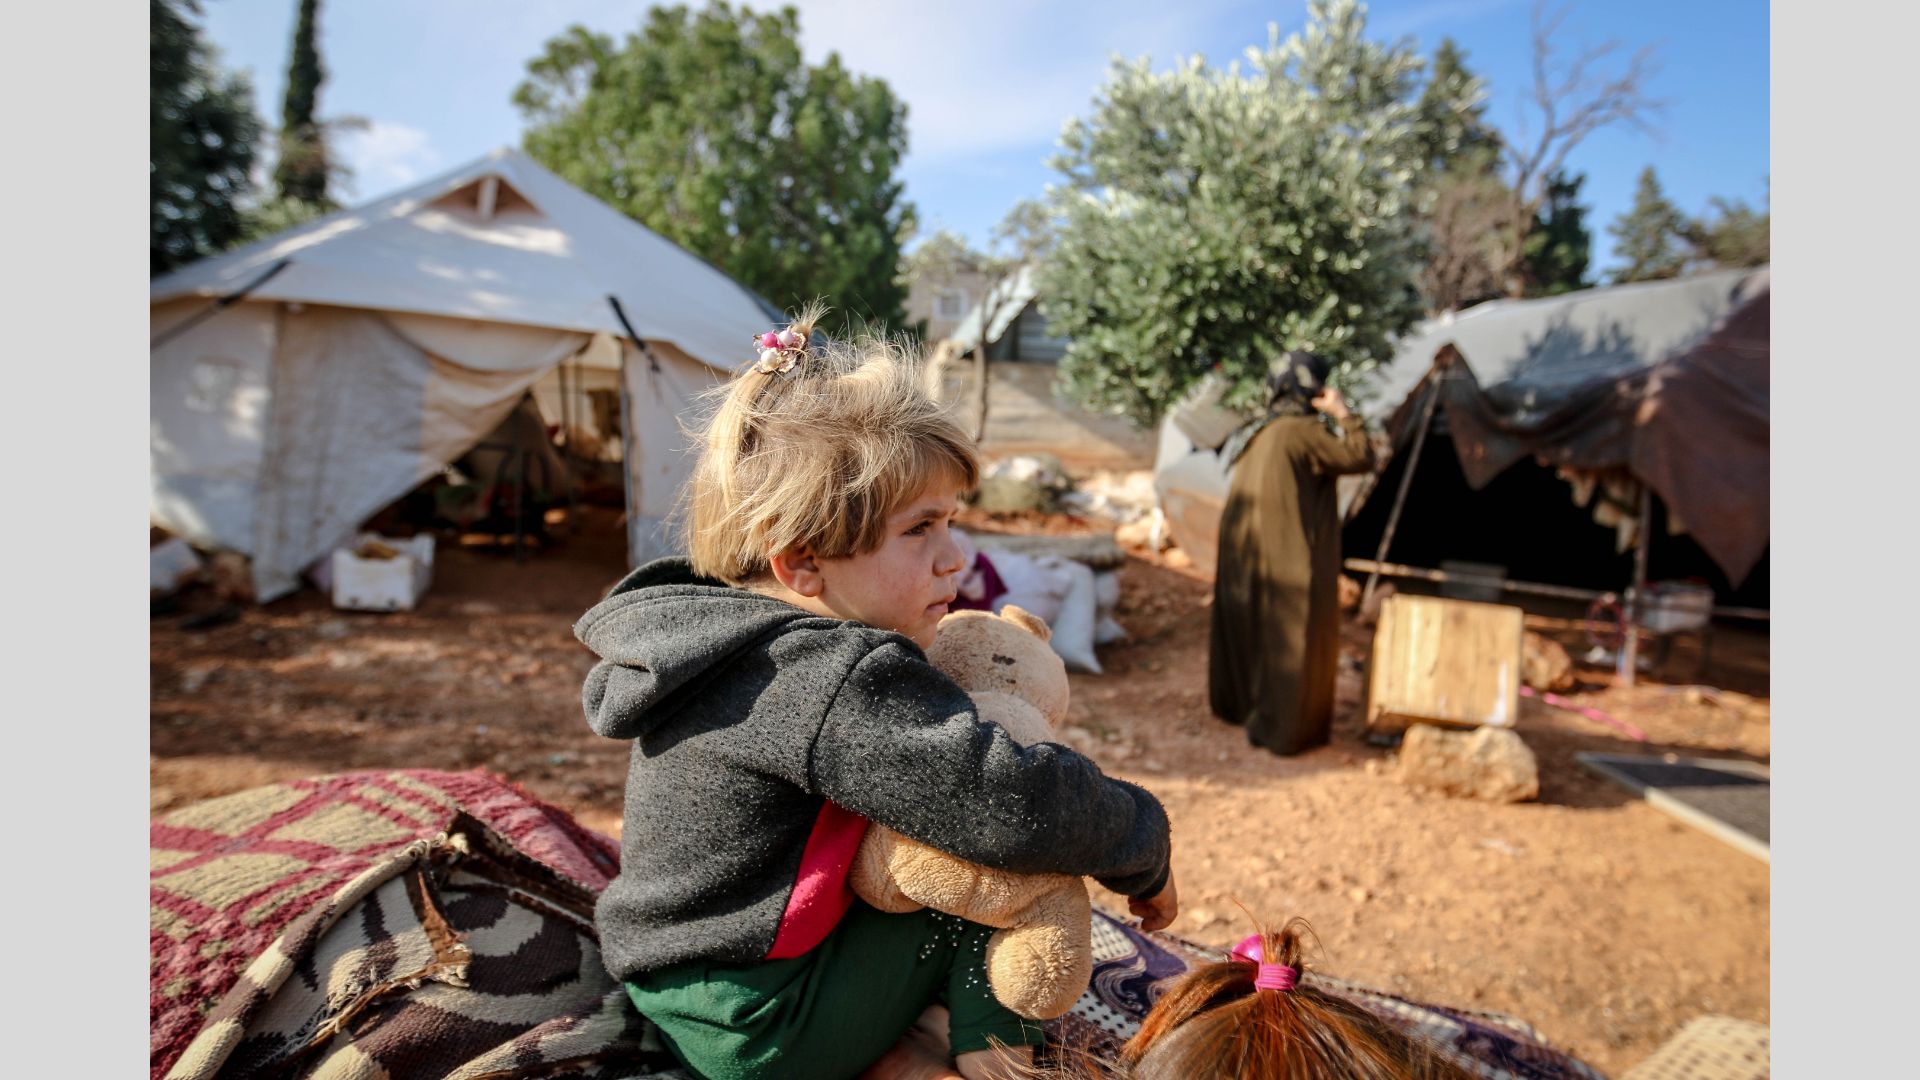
[{"x": 1255, "y": 1016}]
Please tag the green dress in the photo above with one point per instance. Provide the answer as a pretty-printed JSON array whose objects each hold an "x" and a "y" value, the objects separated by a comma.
[{"x": 1275, "y": 646}]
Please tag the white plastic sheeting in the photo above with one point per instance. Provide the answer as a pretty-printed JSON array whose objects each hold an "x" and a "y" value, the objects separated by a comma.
[
  {"x": 278, "y": 429},
  {"x": 482, "y": 346},
  {"x": 359, "y": 416},
  {"x": 1005, "y": 301},
  {"x": 542, "y": 253},
  {"x": 660, "y": 403},
  {"x": 389, "y": 338},
  {"x": 210, "y": 391}
]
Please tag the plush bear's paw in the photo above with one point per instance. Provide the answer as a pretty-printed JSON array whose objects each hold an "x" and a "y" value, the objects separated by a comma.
[
  {"x": 871, "y": 876},
  {"x": 1039, "y": 969}
]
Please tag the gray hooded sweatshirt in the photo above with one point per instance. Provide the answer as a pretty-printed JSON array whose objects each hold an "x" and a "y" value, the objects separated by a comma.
[{"x": 766, "y": 737}]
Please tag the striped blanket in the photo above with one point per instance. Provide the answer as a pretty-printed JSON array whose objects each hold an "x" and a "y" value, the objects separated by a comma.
[{"x": 419, "y": 923}]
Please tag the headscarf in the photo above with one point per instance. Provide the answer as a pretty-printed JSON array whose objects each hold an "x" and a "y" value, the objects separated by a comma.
[
  {"x": 1297, "y": 376},
  {"x": 1292, "y": 383}
]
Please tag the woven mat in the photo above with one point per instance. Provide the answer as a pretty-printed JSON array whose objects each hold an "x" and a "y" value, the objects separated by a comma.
[
  {"x": 1710, "y": 1048},
  {"x": 257, "y": 895},
  {"x": 378, "y": 924}
]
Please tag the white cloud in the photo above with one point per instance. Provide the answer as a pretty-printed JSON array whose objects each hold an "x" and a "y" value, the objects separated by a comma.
[
  {"x": 977, "y": 77},
  {"x": 385, "y": 156},
  {"x": 995, "y": 74}
]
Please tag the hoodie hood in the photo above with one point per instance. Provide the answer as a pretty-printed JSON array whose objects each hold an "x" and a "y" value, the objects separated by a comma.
[{"x": 662, "y": 630}]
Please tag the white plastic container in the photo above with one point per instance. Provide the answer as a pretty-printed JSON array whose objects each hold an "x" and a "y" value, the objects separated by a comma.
[
  {"x": 1677, "y": 605},
  {"x": 382, "y": 584}
]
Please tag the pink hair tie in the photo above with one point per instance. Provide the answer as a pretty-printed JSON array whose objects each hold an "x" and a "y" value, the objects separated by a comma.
[{"x": 1269, "y": 976}]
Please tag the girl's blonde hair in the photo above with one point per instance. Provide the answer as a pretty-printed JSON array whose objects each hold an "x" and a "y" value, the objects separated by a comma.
[{"x": 818, "y": 455}]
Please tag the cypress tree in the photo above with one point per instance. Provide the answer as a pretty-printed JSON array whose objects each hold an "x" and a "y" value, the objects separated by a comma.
[
  {"x": 301, "y": 172},
  {"x": 1452, "y": 115},
  {"x": 1466, "y": 201}
]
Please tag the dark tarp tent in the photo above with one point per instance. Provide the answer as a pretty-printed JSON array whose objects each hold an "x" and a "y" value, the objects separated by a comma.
[
  {"x": 1659, "y": 383},
  {"x": 1663, "y": 382}
]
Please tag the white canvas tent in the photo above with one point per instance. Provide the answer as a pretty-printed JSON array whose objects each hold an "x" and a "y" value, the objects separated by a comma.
[{"x": 304, "y": 381}]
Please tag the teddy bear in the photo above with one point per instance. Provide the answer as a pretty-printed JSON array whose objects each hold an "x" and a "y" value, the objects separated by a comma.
[{"x": 1040, "y": 957}]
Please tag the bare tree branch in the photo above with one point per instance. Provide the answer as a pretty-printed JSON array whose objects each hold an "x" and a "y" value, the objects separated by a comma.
[{"x": 1571, "y": 108}]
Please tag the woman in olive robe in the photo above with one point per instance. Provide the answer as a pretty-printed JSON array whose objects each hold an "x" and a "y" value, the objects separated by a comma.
[{"x": 1275, "y": 646}]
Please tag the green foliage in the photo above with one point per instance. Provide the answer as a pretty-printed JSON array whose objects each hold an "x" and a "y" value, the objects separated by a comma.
[
  {"x": 1737, "y": 235},
  {"x": 271, "y": 217},
  {"x": 1651, "y": 235},
  {"x": 712, "y": 130},
  {"x": 1216, "y": 219},
  {"x": 1452, "y": 115},
  {"x": 302, "y": 169},
  {"x": 1558, "y": 248},
  {"x": 1467, "y": 209},
  {"x": 201, "y": 142},
  {"x": 1026, "y": 235},
  {"x": 941, "y": 259}
]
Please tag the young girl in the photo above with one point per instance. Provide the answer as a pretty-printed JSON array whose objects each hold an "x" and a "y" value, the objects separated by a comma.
[
  {"x": 778, "y": 699},
  {"x": 1251, "y": 1018}
]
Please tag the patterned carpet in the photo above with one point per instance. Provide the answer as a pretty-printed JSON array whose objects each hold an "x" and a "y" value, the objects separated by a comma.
[{"x": 419, "y": 923}]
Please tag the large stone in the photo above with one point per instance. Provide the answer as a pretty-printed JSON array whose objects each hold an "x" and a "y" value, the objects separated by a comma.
[
  {"x": 1544, "y": 664},
  {"x": 231, "y": 575},
  {"x": 1350, "y": 591},
  {"x": 1147, "y": 532},
  {"x": 1370, "y": 605},
  {"x": 1486, "y": 763},
  {"x": 1022, "y": 482}
]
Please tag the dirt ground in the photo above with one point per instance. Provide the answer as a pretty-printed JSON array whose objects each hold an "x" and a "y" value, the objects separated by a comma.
[{"x": 1600, "y": 920}]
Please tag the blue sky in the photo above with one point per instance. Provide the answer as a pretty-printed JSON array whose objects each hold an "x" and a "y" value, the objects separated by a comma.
[{"x": 989, "y": 82}]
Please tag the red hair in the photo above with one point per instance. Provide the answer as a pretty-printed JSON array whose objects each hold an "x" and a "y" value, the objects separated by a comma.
[{"x": 1212, "y": 1023}]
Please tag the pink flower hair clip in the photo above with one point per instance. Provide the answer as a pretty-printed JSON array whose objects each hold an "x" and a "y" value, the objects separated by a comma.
[{"x": 779, "y": 351}]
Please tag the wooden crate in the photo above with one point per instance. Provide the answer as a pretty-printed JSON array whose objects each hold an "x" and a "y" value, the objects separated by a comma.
[{"x": 1449, "y": 662}]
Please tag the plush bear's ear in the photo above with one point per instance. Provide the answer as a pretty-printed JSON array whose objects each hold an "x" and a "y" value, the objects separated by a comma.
[{"x": 1028, "y": 621}]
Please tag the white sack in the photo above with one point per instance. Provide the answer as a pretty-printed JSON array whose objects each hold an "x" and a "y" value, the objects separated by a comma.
[
  {"x": 1038, "y": 585},
  {"x": 1073, "y": 630}
]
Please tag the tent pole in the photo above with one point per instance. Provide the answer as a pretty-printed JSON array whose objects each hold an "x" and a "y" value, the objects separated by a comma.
[
  {"x": 566, "y": 421},
  {"x": 628, "y": 505},
  {"x": 519, "y": 505},
  {"x": 1406, "y": 478},
  {"x": 1564, "y": 592},
  {"x": 1629, "y": 670},
  {"x": 218, "y": 306},
  {"x": 566, "y": 431}
]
